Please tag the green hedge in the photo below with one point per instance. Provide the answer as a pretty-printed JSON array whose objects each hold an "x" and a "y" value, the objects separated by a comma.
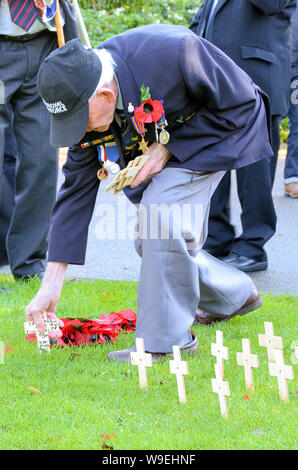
[{"x": 106, "y": 19}]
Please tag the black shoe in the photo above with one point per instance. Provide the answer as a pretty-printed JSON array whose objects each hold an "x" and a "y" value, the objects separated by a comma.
[{"x": 245, "y": 264}]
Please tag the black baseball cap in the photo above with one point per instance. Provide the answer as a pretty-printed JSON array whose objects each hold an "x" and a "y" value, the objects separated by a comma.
[{"x": 66, "y": 80}]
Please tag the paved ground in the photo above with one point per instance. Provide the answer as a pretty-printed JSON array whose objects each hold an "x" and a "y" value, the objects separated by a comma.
[{"x": 108, "y": 259}]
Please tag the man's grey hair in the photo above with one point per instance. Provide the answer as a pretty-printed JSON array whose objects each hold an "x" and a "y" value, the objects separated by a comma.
[{"x": 108, "y": 68}]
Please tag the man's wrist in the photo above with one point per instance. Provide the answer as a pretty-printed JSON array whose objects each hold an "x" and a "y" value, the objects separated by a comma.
[{"x": 54, "y": 277}]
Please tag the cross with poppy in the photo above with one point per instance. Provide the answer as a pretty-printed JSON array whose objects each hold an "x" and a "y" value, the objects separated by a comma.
[
  {"x": 42, "y": 338},
  {"x": 142, "y": 360}
]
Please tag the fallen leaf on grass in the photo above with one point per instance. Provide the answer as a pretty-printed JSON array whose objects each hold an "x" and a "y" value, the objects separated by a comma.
[
  {"x": 258, "y": 431},
  {"x": 105, "y": 294},
  {"x": 74, "y": 355},
  {"x": 246, "y": 397},
  {"x": 108, "y": 436},
  {"x": 7, "y": 349},
  {"x": 34, "y": 390}
]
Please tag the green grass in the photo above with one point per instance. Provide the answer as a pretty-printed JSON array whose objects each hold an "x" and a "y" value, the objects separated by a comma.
[{"x": 85, "y": 396}]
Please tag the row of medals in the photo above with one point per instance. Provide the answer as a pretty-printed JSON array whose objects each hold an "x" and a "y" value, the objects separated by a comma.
[{"x": 163, "y": 138}]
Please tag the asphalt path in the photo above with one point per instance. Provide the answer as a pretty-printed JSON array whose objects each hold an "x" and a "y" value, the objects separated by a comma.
[{"x": 111, "y": 253}]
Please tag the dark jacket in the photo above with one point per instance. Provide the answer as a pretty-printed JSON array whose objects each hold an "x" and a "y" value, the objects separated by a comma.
[
  {"x": 256, "y": 35},
  {"x": 229, "y": 129}
]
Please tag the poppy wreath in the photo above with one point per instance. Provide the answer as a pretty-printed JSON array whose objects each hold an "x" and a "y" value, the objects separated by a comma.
[{"x": 82, "y": 331}]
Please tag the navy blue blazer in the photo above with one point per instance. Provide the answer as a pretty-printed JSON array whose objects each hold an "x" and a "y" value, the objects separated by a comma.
[
  {"x": 228, "y": 130},
  {"x": 256, "y": 35}
]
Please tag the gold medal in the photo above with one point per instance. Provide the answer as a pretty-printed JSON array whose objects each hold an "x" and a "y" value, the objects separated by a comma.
[{"x": 143, "y": 145}]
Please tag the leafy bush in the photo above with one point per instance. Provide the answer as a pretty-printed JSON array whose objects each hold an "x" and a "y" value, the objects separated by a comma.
[{"x": 105, "y": 19}]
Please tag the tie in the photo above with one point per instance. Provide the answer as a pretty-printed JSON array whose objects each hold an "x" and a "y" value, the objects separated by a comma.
[{"x": 23, "y": 13}]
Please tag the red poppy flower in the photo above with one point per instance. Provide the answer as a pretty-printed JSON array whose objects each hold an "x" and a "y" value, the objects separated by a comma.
[{"x": 150, "y": 111}]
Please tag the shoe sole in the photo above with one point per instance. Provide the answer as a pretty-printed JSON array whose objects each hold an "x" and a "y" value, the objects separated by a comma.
[
  {"x": 261, "y": 266},
  {"x": 243, "y": 311}
]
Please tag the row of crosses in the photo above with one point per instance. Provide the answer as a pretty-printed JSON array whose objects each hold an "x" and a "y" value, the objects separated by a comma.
[{"x": 246, "y": 359}]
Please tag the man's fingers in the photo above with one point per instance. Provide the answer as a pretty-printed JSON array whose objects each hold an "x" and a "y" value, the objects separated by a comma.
[
  {"x": 52, "y": 316},
  {"x": 145, "y": 173},
  {"x": 39, "y": 322}
]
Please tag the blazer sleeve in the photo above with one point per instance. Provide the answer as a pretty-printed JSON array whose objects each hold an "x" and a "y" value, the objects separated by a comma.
[
  {"x": 74, "y": 207},
  {"x": 271, "y": 7},
  {"x": 226, "y": 98}
]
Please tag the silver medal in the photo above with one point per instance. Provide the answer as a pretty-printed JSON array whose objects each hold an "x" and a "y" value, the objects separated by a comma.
[
  {"x": 164, "y": 137},
  {"x": 114, "y": 168}
]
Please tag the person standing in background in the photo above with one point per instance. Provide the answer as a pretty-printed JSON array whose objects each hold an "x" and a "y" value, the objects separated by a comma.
[
  {"x": 256, "y": 35},
  {"x": 291, "y": 166},
  {"x": 25, "y": 41},
  {"x": 7, "y": 202}
]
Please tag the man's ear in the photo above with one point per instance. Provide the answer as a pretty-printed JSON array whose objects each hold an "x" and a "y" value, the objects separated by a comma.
[{"x": 107, "y": 94}]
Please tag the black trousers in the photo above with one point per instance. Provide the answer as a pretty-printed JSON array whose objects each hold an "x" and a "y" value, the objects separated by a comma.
[
  {"x": 258, "y": 218},
  {"x": 36, "y": 161},
  {"x": 7, "y": 201}
]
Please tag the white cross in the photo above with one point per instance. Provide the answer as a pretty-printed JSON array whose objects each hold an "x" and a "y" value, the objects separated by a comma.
[
  {"x": 220, "y": 351},
  {"x": 249, "y": 362},
  {"x": 221, "y": 387},
  {"x": 282, "y": 372},
  {"x": 42, "y": 338},
  {"x": 269, "y": 341},
  {"x": 142, "y": 360},
  {"x": 179, "y": 367}
]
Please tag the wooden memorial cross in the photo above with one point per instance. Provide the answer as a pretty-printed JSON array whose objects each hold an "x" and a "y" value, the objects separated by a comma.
[
  {"x": 249, "y": 362},
  {"x": 282, "y": 372},
  {"x": 269, "y": 341},
  {"x": 179, "y": 367},
  {"x": 142, "y": 360},
  {"x": 42, "y": 338},
  {"x": 220, "y": 351},
  {"x": 221, "y": 387}
]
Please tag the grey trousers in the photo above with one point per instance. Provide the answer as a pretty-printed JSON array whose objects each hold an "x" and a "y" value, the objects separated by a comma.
[
  {"x": 37, "y": 162},
  {"x": 176, "y": 275}
]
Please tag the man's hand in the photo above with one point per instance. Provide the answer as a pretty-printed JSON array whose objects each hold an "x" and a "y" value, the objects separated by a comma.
[
  {"x": 47, "y": 298},
  {"x": 159, "y": 155},
  {"x": 44, "y": 302}
]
